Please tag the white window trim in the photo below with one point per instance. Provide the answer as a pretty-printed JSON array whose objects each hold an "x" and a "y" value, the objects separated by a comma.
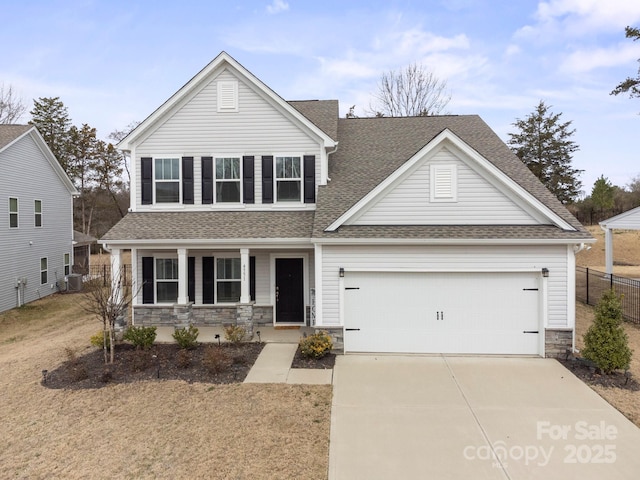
[
  {"x": 215, "y": 179},
  {"x": 228, "y": 103},
  {"x": 16, "y": 213},
  {"x": 155, "y": 180},
  {"x": 300, "y": 179},
  {"x": 46, "y": 270},
  {"x": 35, "y": 213},
  {"x": 66, "y": 260},
  {"x": 215, "y": 276},
  {"x": 167, "y": 256},
  {"x": 433, "y": 173}
]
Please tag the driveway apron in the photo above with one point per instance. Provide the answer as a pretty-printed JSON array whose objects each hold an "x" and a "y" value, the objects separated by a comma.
[{"x": 423, "y": 417}]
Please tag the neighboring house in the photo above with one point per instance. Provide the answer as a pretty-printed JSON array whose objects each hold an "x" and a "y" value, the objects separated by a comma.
[
  {"x": 417, "y": 234},
  {"x": 36, "y": 228},
  {"x": 82, "y": 252},
  {"x": 629, "y": 220}
]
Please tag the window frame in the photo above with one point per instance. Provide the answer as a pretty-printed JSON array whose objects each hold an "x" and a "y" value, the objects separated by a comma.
[
  {"x": 44, "y": 271},
  {"x": 216, "y": 180},
  {"x": 156, "y": 181},
  {"x": 299, "y": 179},
  {"x": 66, "y": 261},
  {"x": 37, "y": 214},
  {"x": 157, "y": 281},
  {"x": 217, "y": 280},
  {"x": 15, "y": 213}
]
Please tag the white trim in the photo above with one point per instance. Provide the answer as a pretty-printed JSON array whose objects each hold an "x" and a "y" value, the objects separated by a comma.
[
  {"x": 163, "y": 256},
  {"x": 442, "y": 270},
  {"x": 305, "y": 282},
  {"x": 135, "y": 297},
  {"x": 571, "y": 293},
  {"x": 16, "y": 213},
  {"x": 229, "y": 243},
  {"x": 36, "y": 213},
  {"x": 300, "y": 180},
  {"x": 611, "y": 222},
  {"x": 317, "y": 259},
  {"x": 448, "y": 136},
  {"x": 45, "y": 270},
  {"x": 450, "y": 241},
  {"x": 249, "y": 207},
  {"x": 156, "y": 180},
  {"x": 226, "y": 205}
]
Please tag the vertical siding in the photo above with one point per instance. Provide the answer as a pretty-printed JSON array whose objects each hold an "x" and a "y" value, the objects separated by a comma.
[
  {"x": 446, "y": 258},
  {"x": 197, "y": 129},
  {"x": 478, "y": 201},
  {"x": 28, "y": 175}
]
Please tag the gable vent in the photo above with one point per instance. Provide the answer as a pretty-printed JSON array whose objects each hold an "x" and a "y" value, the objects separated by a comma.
[
  {"x": 228, "y": 96},
  {"x": 443, "y": 183}
]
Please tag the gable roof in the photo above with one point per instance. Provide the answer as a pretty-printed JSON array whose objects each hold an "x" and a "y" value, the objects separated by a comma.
[
  {"x": 10, "y": 134},
  {"x": 625, "y": 220},
  {"x": 204, "y": 76},
  {"x": 324, "y": 113},
  {"x": 372, "y": 149}
]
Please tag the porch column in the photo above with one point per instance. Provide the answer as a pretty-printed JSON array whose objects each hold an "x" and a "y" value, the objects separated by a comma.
[
  {"x": 608, "y": 249},
  {"x": 183, "y": 295},
  {"x": 245, "y": 295},
  {"x": 116, "y": 266}
]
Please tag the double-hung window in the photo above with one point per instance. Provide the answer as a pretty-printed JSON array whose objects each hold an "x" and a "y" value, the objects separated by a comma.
[
  {"x": 44, "y": 270},
  {"x": 228, "y": 179},
  {"x": 167, "y": 176},
  {"x": 166, "y": 280},
  {"x": 37, "y": 210},
  {"x": 13, "y": 212},
  {"x": 288, "y": 179},
  {"x": 227, "y": 280},
  {"x": 67, "y": 264}
]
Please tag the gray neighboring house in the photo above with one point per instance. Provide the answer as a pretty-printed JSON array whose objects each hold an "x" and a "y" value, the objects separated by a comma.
[
  {"x": 36, "y": 228},
  {"x": 420, "y": 235}
]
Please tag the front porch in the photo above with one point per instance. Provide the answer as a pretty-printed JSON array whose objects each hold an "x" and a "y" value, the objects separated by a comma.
[{"x": 213, "y": 334}]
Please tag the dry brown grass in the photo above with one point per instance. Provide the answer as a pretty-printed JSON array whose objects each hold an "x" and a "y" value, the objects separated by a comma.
[
  {"x": 626, "y": 252},
  {"x": 167, "y": 429},
  {"x": 626, "y": 401}
]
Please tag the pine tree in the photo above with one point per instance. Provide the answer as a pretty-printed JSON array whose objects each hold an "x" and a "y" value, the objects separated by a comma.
[
  {"x": 606, "y": 342},
  {"x": 603, "y": 194},
  {"x": 544, "y": 144},
  {"x": 51, "y": 118}
]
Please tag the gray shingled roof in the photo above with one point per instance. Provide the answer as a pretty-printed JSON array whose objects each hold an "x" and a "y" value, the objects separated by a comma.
[
  {"x": 323, "y": 113},
  {"x": 212, "y": 225},
  {"x": 8, "y": 133},
  {"x": 371, "y": 149}
]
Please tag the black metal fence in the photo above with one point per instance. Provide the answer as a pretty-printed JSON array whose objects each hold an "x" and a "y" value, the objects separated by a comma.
[
  {"x": 103, "y": 273},
  {"x": 591, "y": 284}
]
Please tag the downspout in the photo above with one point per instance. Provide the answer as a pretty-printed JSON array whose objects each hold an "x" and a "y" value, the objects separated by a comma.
[
  {"x": 335, "y": 149},
  {"x": 577, "y": 248}
]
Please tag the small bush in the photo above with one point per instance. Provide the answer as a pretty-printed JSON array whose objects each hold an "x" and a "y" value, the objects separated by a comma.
[
  {"x": 97, "y": 340},
  {"x": 186, "y": 337},
  {"x": 606, "y": 342},
  {"x": 316, "y": 345},
  {"x": 234, "y": 334},
  {"x": 78, "y": 368},
  {"x": 216, "y": 359},
  {"x": 141, "y": 337},
  {"x": 183, "y": 358},
  {"x": 140, "y": 360}
]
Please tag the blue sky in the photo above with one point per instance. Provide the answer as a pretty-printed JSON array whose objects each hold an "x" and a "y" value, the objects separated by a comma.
[{"x": 113, "y": 62}]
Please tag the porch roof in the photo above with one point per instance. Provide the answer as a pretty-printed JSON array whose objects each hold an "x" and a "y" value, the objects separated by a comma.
[{"x": 207, "y": 225}]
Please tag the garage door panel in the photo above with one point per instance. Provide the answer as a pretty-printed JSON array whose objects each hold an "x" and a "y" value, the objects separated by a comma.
[{"x": 441, "y": 312}]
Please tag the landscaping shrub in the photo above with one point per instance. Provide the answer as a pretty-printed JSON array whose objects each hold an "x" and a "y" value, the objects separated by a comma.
[
  {"x": 216, "y": 359},
  {"x": 186, "y": 337},
  {"x": 140, "y": 360},
  {"x": 316, "y": 345},
  {"x": 141, "y": 337},
  {"x": 97, "y": 340},
  {"x": 78, "y": 368},
  {"x": 234, "y": 334},
  {"x": 183, "y": 358},
  {"x": 606, "y": 342}
]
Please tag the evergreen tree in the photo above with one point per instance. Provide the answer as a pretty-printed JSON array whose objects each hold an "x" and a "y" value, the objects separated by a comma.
[
  {"x": 603, "y": 194},
  {"x": 544, "y": 144},
  {"x": 83, "y": 151},
  {"x": 606, "y": 342},
  {"x": 630, "y": 85},
  {"x": 51, "y": 118}
]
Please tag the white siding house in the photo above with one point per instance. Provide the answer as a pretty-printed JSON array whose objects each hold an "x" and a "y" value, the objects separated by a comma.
[
  {"x": 421, "y": 234},
  {"x": 36, "y": 227}
]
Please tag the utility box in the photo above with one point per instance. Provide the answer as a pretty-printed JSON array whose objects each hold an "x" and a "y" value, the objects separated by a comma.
[{"x": 74, "y": 282}]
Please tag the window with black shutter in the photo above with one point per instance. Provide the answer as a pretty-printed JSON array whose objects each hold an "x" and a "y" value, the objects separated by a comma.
[
  {"x": 147, "y": 280},
  {"x": 309, "y": 178},
  {"x": 187, "y": 180},
  {"x": 147, "y": 180},
  {"x": 208, "y": 280},
  {"x": 248, "y": 195},
  {"x": 267, "y": 179},
  {"x": 207, "y": 180}
]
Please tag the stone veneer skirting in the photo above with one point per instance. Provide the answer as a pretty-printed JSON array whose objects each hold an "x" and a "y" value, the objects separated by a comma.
[{"x": 557, "y": 342}]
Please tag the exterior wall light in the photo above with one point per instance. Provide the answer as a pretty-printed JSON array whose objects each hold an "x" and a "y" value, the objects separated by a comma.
[
  {"x": 545, "y": 272},
  {"x": 341, "y": 272}
]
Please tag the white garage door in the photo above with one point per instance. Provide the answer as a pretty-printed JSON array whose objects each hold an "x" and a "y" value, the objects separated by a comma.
[{"x": 480, "y": 313}]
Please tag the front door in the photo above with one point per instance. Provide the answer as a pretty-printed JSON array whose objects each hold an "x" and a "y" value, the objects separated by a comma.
[{"x": 289, "y": 290}]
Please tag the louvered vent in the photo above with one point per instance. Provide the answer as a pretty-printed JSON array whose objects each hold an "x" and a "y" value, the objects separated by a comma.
[
  {"x": 227, "y": 96},
  {"x": 443, "y": 183}
]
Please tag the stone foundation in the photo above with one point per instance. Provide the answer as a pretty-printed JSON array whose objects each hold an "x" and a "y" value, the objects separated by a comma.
[
  {"x": 557, "y": 342},
  {"x": 337, "y": 337}
]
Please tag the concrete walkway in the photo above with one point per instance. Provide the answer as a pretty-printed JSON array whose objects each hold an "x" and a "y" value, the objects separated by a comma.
[{"x": 473, "y": 417}]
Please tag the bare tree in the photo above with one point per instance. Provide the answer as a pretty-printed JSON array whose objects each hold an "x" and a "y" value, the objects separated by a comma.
[
  {"x": 11, "y": 107},
  {"x": 117, "y": 136},
  {"x": 413, "y": 91}
]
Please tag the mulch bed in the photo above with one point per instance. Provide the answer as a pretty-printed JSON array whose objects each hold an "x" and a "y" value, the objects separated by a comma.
[
  {"x": 328, "y": 361},
  {"x": 162, "y": 361},
  {"x": 586, "y": 372}
]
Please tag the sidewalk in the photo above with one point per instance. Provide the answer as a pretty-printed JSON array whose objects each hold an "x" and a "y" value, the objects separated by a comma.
[{"x": 273, "y": 365}]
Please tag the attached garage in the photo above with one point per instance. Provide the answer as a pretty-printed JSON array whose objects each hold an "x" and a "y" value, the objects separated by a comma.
[{"x": 442, "y": 312}]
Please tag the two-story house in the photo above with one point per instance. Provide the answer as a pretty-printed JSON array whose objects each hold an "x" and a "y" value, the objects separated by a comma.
[
  {"x": 36, "y": 228},
  {"x": 417, "y": 234}
]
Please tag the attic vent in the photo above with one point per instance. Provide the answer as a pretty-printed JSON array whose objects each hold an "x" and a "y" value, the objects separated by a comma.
[
  {"x": 444, "y": 186},
  {"x": 228, "y": 96}
]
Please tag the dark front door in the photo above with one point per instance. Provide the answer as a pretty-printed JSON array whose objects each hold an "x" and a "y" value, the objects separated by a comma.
[{"x": 289, "y": 291}]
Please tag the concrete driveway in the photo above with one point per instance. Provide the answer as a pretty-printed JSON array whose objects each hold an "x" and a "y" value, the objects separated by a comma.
[{"x": 421, "y": 417}]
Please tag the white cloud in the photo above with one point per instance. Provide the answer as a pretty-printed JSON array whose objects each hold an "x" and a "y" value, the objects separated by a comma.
[
  {"x": 277, "y": 6},
  {"x": 586, "y": 60}
]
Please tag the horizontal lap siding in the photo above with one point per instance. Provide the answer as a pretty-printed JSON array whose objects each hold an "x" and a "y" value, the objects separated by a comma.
[
  {"x": 479, "y": 202},
  {"x": 197, "y": 130},
  {"x": 27, "y": 175},
  {"x": 445, "y": 258}
]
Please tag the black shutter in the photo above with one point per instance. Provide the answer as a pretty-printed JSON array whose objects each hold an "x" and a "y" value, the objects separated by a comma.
[
  {"x": 247, "y": 180},
  {"x": 267, "y": 179},
  {"x": 252, "y": 278},
  {"x": 207, "y": 180},
  {"x": 191, "y": 276},
  {"x": 147, "y": 280},
  {"x": 187, "y": 180},
  {"x": 147, "y": 181},
  {"x": 208, "y": 281},
  {"x": 309, "y": 178}
]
